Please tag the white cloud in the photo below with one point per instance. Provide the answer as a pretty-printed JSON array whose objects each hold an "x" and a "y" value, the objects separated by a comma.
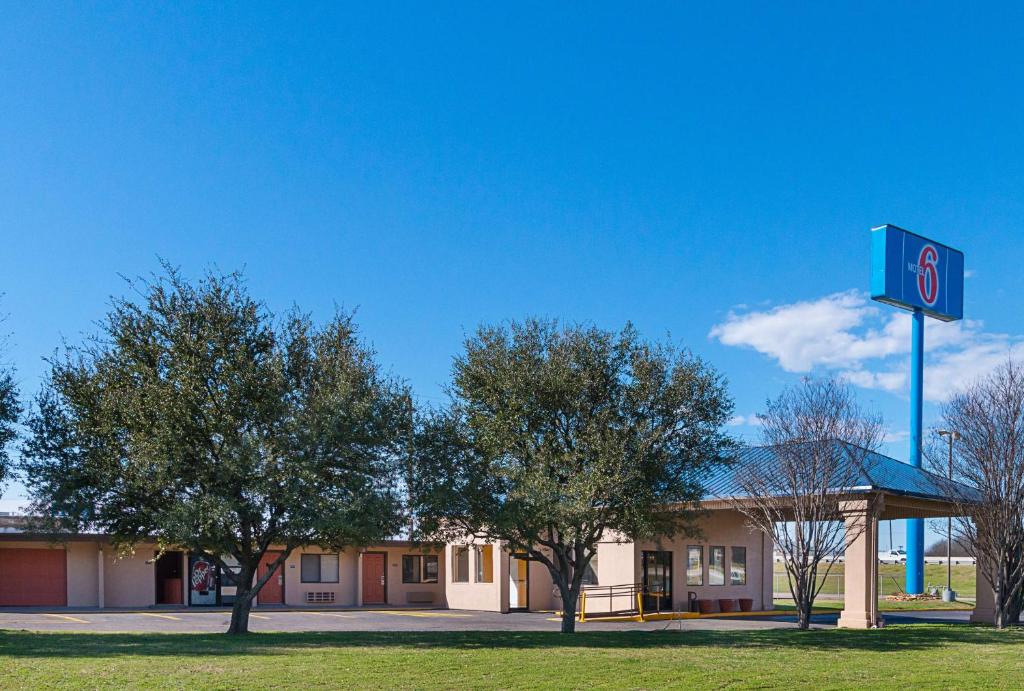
[
  {"x": 868, "y": 346},
  {"x": 745, "y": 421},
  {"x": 894, "y": 437}
]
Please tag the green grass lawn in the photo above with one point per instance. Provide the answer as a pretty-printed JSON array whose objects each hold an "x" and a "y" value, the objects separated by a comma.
[
  {"x": 926, "y": 656},
  {"x": 892, "y": 578}
]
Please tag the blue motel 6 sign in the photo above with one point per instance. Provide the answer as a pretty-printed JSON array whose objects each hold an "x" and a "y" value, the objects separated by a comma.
[{"x": 916, "y": 273}]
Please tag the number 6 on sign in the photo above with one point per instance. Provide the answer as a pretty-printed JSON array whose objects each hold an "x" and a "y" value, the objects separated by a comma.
[{"x": 916, "y": 274}]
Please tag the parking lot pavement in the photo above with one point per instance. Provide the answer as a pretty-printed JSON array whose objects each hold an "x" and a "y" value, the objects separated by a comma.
[{"x": 215, "y": 621}]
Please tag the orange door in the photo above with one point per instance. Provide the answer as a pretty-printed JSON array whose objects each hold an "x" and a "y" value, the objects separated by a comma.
[
  {"x": 373, "y": 579},
  {"x": 273, "y": 591},
  {"x": 33, "y": 577}
]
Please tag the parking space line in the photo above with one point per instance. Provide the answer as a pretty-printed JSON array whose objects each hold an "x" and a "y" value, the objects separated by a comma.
[
  {"x": 67, "y": 618},
  {"x": 331, "y": 614},
  {"x": 399, "y": 613},
  {"x": 159, "y": 616},
  {"x": 258, "y": 616}
]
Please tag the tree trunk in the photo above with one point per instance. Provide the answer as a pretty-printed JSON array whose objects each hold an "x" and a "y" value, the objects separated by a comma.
[
  {"x": 569, "y": 614},
  {"x": 803, "y": 620},
  {"x": 244, "y": 595},
  {"x": 570, "y": 598},
  {"x": 803, "y": 606},
  {"x": 240, "y": 615}
]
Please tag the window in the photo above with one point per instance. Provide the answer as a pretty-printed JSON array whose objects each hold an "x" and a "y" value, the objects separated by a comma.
[
  {"x": 694, "y": 565},
  {"x": 738, "y": 567},
  {"x": 460, "y": 564},
  {"x": 590, "y": 575},
  {"x": 319, "y": 568},
  {"x": 484, "y": 555},
  {"x": 430, "y": 569},
  {"x": 419, "y": 568},
  {"x": 716, "y": 566},
  {"x": 411, "y": 568}
]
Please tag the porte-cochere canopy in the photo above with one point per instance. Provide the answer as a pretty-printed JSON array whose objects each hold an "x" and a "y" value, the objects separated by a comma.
[
  {"x": 870, "y": 472},
  {"x": 876, "y": 487}
]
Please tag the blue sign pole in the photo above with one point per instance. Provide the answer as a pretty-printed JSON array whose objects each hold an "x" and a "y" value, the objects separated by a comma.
[{"x": 915, "y": 526}]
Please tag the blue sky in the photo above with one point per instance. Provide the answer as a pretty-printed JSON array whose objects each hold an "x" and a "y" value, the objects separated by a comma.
[{"x": 709, "y": 174}]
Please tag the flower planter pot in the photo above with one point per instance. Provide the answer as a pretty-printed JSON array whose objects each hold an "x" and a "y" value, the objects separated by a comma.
[
  {"x": 726, "y": 605},
  {"x": 746, "y": 604},
  {"x": 706, "y": 606}
]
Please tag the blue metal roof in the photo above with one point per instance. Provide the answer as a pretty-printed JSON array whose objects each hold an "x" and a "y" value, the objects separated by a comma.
[{"x": 877, "y": 473}]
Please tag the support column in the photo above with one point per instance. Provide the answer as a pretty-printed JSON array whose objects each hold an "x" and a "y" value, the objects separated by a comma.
[
  {"x": 359, "y": 580},
  {"x": 100, "y": 582},
  {"x": 860, "y": 605},
  {"x": 985, "y": 600},
  {"x": 186, "y": 580}
]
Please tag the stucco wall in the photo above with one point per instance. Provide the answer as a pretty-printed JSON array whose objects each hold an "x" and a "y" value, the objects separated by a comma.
[
  {"x": 83, "y": 574},
  {"x": 347, "y": 591},
  {"x": 344, "y": 590},
  {"x": 129, "y": 581},
  {"x": 490, "y": 597},
  {"x": 542, "y": 596},
  {"x": 398, "y": 592},
  {"x": 722, "y": 528},
  {"x": 616, "y": 566}
]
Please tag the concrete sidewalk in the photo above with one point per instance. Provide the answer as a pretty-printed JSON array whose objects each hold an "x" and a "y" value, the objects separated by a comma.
[{"x": 295, "y": 620}]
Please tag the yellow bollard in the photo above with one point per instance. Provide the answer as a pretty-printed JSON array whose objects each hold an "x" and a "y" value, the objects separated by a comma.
[
  {"x": 583, "y": 607},
  {"x": 640, "y": 605}
]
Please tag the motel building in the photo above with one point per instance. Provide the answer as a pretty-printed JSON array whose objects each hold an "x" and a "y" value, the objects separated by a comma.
[{"x": 726, "y": 568}]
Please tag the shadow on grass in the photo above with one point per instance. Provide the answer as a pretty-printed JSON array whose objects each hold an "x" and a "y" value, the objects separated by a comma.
[{"x": 894, "y": 639}]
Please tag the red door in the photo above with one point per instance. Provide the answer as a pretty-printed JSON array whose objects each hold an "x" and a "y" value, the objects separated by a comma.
[
  {"x": 273, "y": 591},
  {"x": 373, "y": 579},
  {"x": 33, "y": 577}
]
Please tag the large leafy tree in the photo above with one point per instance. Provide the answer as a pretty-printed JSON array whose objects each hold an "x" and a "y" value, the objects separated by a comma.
[
  {"x": 557, "y": 437},
  {"x": 10, "y": 410},
  {"x": 198, "y": 420}
]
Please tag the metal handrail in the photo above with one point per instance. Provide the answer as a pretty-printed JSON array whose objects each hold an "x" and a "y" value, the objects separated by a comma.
[{"x": 633, "y": 593}]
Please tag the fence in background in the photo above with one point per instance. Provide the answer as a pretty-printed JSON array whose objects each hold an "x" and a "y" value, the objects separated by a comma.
[{"x": 832, "y": 586}]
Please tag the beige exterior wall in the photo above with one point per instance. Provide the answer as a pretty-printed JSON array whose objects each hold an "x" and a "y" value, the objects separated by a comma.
[
  {"x": 616, "y": 566},
  {"x": 348, "y": 590},
  {"x": 489, "y": 597},
  {"x": 83, "y": 574},
  {"x": 722, "y": 528},
  {"x": 398, "y": 593},
  {"x": 344, "y": 590},
  {"x": 129, "y": 581},
  {"x": 542, "y": 595}
]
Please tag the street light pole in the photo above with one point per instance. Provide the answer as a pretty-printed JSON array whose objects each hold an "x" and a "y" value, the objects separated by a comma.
[{"x": 949, "y": 595}]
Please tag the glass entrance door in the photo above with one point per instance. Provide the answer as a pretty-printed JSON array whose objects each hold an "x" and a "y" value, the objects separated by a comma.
[
  {"x": 657, "y": 583},
  {"x": 518, "y": 583}
]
